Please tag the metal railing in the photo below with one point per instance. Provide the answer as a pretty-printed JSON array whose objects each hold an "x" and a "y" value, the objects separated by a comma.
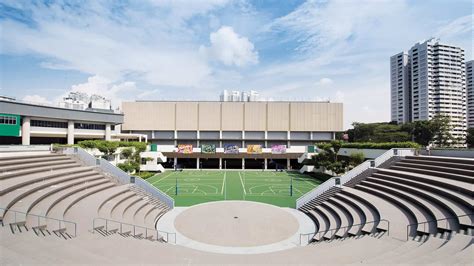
[
  {"x": 135, "y": 230},
  {"x": 425, "y": 223},
  {"x": 351, "y": 174},
  {"x": 310, "y": 236},
  {"x": 145, "y": 185},
  {"x": 121, "y": 176},
  {"x": 39, "y": 218}
]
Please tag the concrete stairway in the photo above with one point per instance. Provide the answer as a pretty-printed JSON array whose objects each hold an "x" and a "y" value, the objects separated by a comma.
[
  {"x": 427, "y": 200},
  {"x": 44, "y": 192}
]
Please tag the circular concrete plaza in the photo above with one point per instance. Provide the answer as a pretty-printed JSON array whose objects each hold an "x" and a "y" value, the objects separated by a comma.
[{"x": 236, "y": 224}]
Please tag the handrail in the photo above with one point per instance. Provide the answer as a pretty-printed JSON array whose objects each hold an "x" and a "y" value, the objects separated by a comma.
[
  {"x": 119, "y": 174},
  {"x": 39, "y": 219},
  {"x": 310, "y": 195},
  {"x": 147, "y": 229},
  {"x": 435, "y": 221},
  {"x": 333, "y": 230}
]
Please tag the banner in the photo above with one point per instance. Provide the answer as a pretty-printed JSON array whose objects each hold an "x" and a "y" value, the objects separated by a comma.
[
  {"x": 278, "y": 149},
  {"x": 255, "y": 149},
  {"x": 185, "y": 148},
  {"x": 231, "y": 148},
  {"x": 208, "y": 148}
]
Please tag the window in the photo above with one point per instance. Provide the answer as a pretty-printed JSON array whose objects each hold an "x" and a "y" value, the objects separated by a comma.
[
  {"x": 89, "y": 126},
  {"x": 8, "y": 120},
  {"x": 52, "y": 124}
]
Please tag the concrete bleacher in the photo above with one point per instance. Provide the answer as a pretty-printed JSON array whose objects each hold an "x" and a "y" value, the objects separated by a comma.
[
  {"x": 58, "y": 193},
  {"x": 367, "y": 220},
  {"x": 427, "y": 200}
]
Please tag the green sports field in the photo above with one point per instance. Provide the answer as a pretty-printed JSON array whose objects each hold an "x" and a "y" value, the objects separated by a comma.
[{"x": 192, "y": 187}]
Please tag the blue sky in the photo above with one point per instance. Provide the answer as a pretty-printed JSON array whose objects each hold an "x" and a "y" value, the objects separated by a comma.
[{"x": 183, "y": 50}]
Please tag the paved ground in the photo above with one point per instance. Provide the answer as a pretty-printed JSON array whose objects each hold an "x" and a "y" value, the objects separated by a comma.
[
  {"x": 192, "y": 187},
  {"x": 258, "y": 228}
]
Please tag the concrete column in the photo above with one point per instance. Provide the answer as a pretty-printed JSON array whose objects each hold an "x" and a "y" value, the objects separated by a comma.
[
  {"x": 108, "y": 132},
  {"x": 288, "y": 136},
  {"x": 198, "y": 137},
  {"x": 288, "y": 164},
  {"x": 175, "y": 161},
  {"x": 70, "y": 132},
  {"x": 265, "y": 162},
  {"x": 197, "y": 163},
  {"x": 243, "y": 163},
  {"x": 220, "y": 163},
  {"x": 176, "y": 138},
  {"x": 25, "y": 131}
]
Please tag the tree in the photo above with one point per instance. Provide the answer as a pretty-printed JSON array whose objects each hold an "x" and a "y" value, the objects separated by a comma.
[
  {"x": 127, "y": 153},
  {"x": 422, "y": 132},
  {"x": 470, "y": 137},
  {"x": 442, "y": 127}
]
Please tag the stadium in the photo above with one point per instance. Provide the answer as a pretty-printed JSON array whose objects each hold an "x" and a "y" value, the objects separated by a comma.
[{"x": 233, "y": 183}]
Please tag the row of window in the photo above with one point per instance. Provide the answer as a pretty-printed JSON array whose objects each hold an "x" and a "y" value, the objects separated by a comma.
[
  {"x": 55, "y": 124},
  {"x": 8, "y": 120}
]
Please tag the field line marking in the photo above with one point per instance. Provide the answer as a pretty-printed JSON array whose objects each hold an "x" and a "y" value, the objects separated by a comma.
[
  {"x": 242, "y": 182},
  {"x": 195, "y": 189},
  {"x": 166, "y": 176},
  {"x": 223, "y": 182}
]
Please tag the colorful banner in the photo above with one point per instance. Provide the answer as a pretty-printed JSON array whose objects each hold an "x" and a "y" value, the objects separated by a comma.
[
  {"x": 231, "y": 148},
  {"x": 185, "y": 148},
  {"x": 208, "y": 148},
  {"x": 278, "y": 149},
  {"x": 255, "y": 149}
]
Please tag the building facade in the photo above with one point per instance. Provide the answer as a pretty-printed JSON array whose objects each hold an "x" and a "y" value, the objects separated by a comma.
[
  {"x": 437, "y": 85},
  {"x": 470, "y": 94},
  {"x": 400, "y": 88},
  {"x": 27, "y": 123},
  {"x": 233, "y": 134}
]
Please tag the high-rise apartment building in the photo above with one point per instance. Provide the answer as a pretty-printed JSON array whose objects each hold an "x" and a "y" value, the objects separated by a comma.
[
  {"x": 437, "y": 85},
  {"x": 470, "y": 94},
  {"x": 400, "y": 88}
]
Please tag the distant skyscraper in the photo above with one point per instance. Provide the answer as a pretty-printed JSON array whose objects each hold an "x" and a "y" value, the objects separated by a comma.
[
  {"x": 437, "y": 84},
  {"x": 237, "y": 96},
  {"x": 470, "y": 94}
]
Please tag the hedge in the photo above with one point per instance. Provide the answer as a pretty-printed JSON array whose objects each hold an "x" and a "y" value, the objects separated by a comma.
[{"x": 382, "y": 145}]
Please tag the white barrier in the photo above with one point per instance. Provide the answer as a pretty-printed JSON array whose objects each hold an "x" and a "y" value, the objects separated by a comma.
[{"x": 351, "y": 174}]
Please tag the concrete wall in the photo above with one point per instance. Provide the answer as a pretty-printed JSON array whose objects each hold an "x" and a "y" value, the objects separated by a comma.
[
  {"x": 233, "y": 116},
  {"x": 451, "y": 153},
  {"x": 368, "y": 153}
]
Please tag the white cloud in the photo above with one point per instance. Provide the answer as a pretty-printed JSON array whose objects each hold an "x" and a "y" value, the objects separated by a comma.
[
  {"x": 230, "y": 48},
  {"x": 36, "y": 99},
  {"x": 324, "y": 82},
  {"x": 459, "y": 26},
  {"x": 115, "y": 91}
]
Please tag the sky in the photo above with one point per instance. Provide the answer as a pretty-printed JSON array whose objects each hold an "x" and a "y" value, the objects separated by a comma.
[{"x": 313, "y": 50}]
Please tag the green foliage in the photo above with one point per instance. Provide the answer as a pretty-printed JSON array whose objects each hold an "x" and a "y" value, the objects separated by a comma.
[
  {"x": 127, "y": 153},
  {"x": 377, "y": 132},
  {"x": 470, "y": 138},
  {"x": 145, "y": 175},
  {"x": 356, "y": 158},
  {"x": 129, "y": 166},
  {"x": 110, "y": 147},
  {"x": 327, "y": 157},
  {"x": 384, "y": 146},
  {"x": 442, "y": 129}
]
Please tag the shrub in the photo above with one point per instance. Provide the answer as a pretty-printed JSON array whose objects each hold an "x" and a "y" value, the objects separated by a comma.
[
  {"x": 383, "y": 145},
  {"x": 356, "y": 158},
  {"x": 145, "y": 175}
]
